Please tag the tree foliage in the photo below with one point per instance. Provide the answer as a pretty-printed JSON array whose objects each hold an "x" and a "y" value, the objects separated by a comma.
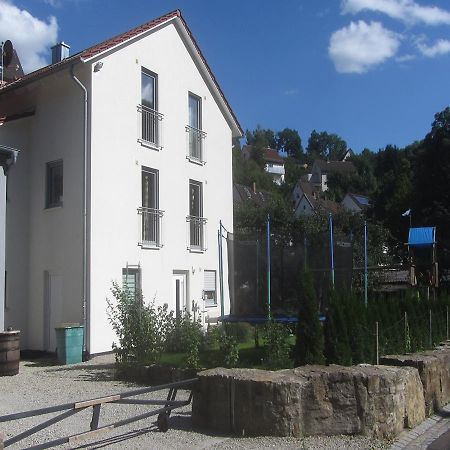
[
  {"x": 289, "y": 141},
  {"x": 322, "y": 145}
]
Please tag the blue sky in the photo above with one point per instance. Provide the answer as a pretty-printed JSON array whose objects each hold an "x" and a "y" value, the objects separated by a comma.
[{"x": 373, "y": 71}]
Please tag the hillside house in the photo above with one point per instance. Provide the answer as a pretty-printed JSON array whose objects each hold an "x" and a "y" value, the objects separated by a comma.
[
  {"x": 125, "y": 153},
  {"x": 273, "y": 163},
  {"x": 355, "y": 203},
  {"x": 322, "y": 169}
]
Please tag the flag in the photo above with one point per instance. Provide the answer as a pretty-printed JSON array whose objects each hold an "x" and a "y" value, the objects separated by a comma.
[{"x": 407, "y": 213}]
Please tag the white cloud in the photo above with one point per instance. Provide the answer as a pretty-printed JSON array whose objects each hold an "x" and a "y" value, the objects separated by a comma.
[
  {"x": 361, "y": 45},
  {"x": 294, "y": 91},
  {"x": 31, "y": 37},
  {"x": 440, "y": 47},
  {"x": 405, "y": 58},
  {"x": 405, "y": 10}
]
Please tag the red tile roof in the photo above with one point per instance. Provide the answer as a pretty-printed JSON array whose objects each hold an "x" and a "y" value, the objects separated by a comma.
[
  {"x": 110, "y": 43},
  {"x": 272, "y": 155}
]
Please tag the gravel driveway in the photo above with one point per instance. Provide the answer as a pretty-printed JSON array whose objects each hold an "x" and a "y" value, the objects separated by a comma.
[{"x": 40, "y": 385}]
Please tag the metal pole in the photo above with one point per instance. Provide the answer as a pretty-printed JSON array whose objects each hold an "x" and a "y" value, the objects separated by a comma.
[
  {"x": 365, "y": 264},
  {"x": 305, "y": 244},
  {"x": 3, "y": 69},
  {"x": 431, "y": 336},
  {"x": 219, "y": 237},
  {"x": 257, "y": 272},
  {"x": 447, "y": 322},
  {"x": 377, "y": 343},
  {"x": 331, "y": 250},
  {"x": 269, "y": 314}
]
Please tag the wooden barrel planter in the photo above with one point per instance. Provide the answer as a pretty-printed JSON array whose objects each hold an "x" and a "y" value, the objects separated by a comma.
[{"x": 9, "y": 352}]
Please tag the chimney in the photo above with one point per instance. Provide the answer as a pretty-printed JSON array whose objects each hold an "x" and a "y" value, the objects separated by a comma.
[
  {"x": 59, "y": 52},
  {"x": 254, "y": 187}
]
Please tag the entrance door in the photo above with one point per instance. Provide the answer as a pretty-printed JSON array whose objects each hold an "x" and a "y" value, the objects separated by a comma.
[
  {"x": 179, "y": 293},
  {"x": 53, "y": 287}
]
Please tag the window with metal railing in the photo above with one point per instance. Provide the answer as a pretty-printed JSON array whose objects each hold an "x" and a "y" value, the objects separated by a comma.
[
  {"x": 150, "y": 216},
  {"x": 149, "y": 118},
  {"x": 196, "y": 137},
  {"x": 196, "y": 223}
]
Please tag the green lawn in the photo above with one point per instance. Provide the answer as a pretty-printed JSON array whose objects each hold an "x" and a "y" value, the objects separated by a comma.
[{"x": 249, "y": 356}]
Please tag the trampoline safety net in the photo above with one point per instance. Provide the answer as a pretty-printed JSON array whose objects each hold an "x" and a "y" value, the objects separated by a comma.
[{"x": 248, "y": 270}]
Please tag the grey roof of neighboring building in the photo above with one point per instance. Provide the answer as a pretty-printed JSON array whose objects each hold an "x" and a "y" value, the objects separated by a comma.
[
  {"x": 335, "y": 166},
  {"x": 243, "y": 194},
  {"x": 360, "y": 200}
]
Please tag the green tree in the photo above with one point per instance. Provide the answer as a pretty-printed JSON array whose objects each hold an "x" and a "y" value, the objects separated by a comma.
[
  {"x": 322, "y": 145},
  {"x": 432, "y": 175},
  {"x": 289, "y": 141},
  {"x": 309, "y": 344},
  {"x": 261, "y": 137}
]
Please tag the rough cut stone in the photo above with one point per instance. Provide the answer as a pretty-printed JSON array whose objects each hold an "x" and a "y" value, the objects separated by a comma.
[
  {"x": 310, "y": 400},
  {"x": 434, "y": 372}
]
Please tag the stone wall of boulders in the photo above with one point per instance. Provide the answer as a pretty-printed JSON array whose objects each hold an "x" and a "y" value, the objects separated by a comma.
[
  {"x": 374, "y": 400},
  {"x": 434, "y": 371},
  {"x": 310, "y": 400}
]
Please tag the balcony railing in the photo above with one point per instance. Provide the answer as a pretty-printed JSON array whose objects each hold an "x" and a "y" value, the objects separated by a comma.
[
  {"x": 150, "y": 126},
  {"x": 150, "y": 227},
  {"x": 275, "y": 169},
  {"x": 196, "y": 145},
  {"x": 196, "y": 233}
]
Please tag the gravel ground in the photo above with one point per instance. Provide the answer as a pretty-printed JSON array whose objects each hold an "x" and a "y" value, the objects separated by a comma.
[{"x": 40, "y": 384}]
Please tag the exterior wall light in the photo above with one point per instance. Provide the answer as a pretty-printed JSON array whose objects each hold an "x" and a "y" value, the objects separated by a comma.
[{"x": 98, "y": 66}]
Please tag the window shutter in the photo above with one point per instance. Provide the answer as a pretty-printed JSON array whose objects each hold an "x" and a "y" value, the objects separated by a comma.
[{"x": 210, "y": 280}]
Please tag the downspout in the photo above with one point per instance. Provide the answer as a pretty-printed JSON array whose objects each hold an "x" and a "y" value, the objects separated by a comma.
[{"x": 85, "y": 182}]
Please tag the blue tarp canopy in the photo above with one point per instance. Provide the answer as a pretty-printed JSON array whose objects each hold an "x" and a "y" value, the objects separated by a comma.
[{"x": 422, "y": 237}]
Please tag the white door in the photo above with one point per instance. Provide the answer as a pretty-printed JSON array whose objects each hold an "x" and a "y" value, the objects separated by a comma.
[
  {"x": 53, "y": 297},
  {"x": 179, "y": 293}
]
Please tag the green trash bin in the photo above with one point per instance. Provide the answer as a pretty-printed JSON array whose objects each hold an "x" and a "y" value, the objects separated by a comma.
[{"x": 69, "y": 343}]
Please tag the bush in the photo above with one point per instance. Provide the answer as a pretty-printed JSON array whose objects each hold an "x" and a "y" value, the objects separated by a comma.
[
  {"x": 277, "y": 350},
  {"x": 186, "y": 336},
  {"x": 229, "y": 350},
  {"x": 141, "y": 329},
  {"x": 242, "y": 332},
  {"x": 309, "y": 343}
]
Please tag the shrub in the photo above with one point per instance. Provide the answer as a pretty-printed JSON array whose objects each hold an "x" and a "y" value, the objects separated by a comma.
[
  {"x": 242, "y": 332},
  {"x": 141, "y": 329},
  {"x": 228, "y": 347},
  {"x": 309, "y": 343},
  {"x": 277, "y": 350},
  {"x": 186, "y": 336}
]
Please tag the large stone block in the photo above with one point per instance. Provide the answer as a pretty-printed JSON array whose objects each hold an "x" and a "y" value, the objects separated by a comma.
[
  {"x": 310, "y": 400},
  {"x": 434, "y": 372}
]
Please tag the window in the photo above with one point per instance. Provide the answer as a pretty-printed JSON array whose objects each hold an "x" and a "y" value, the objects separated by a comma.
[
  {"x": 54, "y": 184},
  {"x": 195, "y": 198},
  {"x": 196, "y": 137},
  {"x": 150, "y": 117},
  {"x": 131, "y": 280},
  {"x": 209, "y": 291},
  {"x": 151, "y": 215},
  {"x": 196, "y": 233}
]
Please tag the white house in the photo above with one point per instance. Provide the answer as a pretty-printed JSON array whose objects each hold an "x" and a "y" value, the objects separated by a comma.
[
  {"x": 273, "y": 163},
  {"x": 356, "y": 203},
  {"x": 124, "y": 174}
]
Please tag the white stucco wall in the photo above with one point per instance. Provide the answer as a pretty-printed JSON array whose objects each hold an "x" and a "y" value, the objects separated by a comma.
[
  {"x": 41, "y": 240},
  {"x": 117, "y": 159}
]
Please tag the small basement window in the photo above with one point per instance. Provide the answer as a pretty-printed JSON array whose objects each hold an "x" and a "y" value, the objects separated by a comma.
[{"x": 54, "y": 184}]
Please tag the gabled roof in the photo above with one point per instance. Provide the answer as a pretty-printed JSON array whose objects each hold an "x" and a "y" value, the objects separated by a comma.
[
  {"x": 335, "y": 166},
  {"x": 271, "y": 155},
  {"x": 243, "y": 194},
  {"x": 362, "y": 201},
  {"x": 98, "y": 49}
]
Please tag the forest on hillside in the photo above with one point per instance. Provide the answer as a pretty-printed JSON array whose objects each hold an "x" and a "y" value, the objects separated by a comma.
[{"x": 416, "y": 178}]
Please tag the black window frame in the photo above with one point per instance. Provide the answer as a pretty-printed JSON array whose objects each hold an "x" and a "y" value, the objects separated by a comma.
[{"x": 52, "y": 199}]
